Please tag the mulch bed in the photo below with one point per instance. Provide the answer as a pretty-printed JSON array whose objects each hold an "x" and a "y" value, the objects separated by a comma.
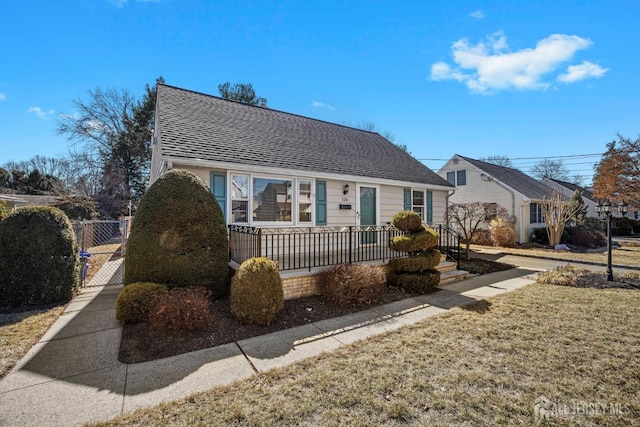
[{"x": 141, "y": 343}]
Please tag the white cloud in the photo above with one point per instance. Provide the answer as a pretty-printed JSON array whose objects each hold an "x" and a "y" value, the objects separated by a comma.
[
  {"x": 587, "y": 69},
  {"x": 2, "y": 96},
  {"x": 490, "y": 66},
  {"x": 318, "y": 104},
  {"x": 40, "y": 113},
  {"x": 478, "y": 14}
]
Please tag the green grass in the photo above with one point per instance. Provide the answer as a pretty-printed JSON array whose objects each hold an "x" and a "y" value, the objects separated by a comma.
[{"x": 481, "y": 365}]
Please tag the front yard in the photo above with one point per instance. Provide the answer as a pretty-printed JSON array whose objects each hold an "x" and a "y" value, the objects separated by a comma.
[
  {"x": 572, "y": 351},
  {"x": 626, "y": 254}
]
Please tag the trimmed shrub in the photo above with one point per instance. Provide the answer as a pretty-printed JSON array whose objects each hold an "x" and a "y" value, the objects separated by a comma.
[
  {"x": 582, "y": 236},
  {"x": 423, "y": 239},
  {"x": 417, "y": 263},
  {"x": 539, "y": 235},
  {"x": 136, "y": 300},
  {"x": 182, "y": 309},
  {"x": 178, "y": 236},
  {"x": 77, "y": 207},
  {"x": 502, "y": 233},
  {"x": 352, "y": 284},
  {"x": 38, "y": 257},
  {"x": 420, "y": 283},
  {"x": 256, "y": 291},
  {"x": 407, "y": 221}
]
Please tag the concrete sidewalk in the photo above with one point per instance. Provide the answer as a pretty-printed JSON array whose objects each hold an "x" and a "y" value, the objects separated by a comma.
[{"x": 73, "y": 376}]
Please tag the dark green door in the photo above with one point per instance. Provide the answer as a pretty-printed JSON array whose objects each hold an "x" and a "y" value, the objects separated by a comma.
[{"x": 368, "y": 213}]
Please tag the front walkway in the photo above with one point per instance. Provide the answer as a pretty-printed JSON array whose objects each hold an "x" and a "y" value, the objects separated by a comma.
[{"x": 73, "y": 376}]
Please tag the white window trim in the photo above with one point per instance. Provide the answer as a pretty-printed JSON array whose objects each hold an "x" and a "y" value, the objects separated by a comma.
[
  {"x": 424, "y": 202},
  {"x": 295, "y": 205}
]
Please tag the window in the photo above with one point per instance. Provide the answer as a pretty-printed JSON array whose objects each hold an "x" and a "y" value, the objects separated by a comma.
[
  {"x": 417, "y": 203},
  {"x": 272, "y": 199},
  {"x": 304, "y": 200},
  {"x": 490, "y": 211},
  {"x": 457, "y": 177},
  {"x": 239, "y": 198},
  {"x": 535, "y": 214}
]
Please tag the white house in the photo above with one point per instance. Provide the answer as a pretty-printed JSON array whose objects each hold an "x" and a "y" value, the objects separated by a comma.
[
  {"x": 568, "y": 189},
  {"x": 272, "y": 170},
  {"x": 478, "y": 181}
]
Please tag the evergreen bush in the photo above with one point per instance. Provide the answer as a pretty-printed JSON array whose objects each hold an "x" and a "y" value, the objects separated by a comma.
[
  {"x": 256, "y": 291},
  {"x": 136, "y": 300},
  {"x": 178, "y": 237},
  {"x": 417, "y": 272},
  {"x": 38, "y": 257}
]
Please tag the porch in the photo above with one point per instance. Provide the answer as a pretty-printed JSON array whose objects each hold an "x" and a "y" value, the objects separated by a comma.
[{"x": 295, "y": 248}]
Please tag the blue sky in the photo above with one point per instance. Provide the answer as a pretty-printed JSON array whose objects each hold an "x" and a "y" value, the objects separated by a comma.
[{"x": 476, "y": 78}]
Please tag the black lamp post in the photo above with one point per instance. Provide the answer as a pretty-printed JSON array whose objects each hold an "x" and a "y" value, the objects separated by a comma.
[{"x": 604, "y": 211}]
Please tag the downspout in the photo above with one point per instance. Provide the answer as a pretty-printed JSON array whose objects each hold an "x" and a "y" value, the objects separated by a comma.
[{"x": 446, "y": 207}]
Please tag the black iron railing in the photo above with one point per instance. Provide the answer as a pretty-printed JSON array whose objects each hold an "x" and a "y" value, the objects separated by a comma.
[
  {"x": 308, "y": 247},
  {"x": 449, "y": 243}
]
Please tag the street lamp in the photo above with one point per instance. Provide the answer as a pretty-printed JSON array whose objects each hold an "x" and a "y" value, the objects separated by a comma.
[{"x": 604, "y": 211}]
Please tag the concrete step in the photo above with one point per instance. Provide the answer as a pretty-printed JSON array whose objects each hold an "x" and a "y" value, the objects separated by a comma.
[
  {"x": 451, "y": 276},
  {"x": 446, "y": 266}
]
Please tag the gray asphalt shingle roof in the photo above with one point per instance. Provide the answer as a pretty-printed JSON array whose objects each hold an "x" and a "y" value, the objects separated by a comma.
[
  {"x": 198, "y": 126},
  {"x": 514, "y": 178},
  {"x": 573, "y": 187}
]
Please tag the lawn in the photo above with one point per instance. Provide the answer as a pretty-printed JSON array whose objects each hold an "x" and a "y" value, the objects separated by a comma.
[
  {"x": 486, "y": 364},
  {"x": 20, "y": 331},
  {"x": 625, "y": 255}
]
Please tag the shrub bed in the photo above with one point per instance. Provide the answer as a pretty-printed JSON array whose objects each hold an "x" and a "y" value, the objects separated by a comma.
[
  {"x": 136, "y": 300},
  {"x": 182, "y": 309}
]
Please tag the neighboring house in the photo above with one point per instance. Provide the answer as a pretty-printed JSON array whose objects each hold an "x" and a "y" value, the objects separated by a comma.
[
  {"x": 568, "y": 189},
  {"x": 15, "y": 201},
  {"x": 510, "y": 188},
  {"x": 274, "y": 170}
]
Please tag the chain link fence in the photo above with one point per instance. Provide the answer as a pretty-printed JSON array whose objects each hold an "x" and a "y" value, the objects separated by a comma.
[{"x": 102, "y": 248}]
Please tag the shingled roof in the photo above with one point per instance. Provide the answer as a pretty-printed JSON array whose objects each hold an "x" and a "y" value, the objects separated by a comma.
[
  {"x": 195, "y": 126},
  {"x": 573, "y": 187},
  {"x": 514, "y": 178}
]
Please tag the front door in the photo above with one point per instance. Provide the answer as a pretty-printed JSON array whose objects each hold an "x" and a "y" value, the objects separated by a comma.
[{"x": 368, "y": 205}]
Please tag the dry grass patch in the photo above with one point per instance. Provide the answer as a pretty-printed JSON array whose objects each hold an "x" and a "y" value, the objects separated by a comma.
[
  {"x": 625, "y": 255},
  {"x": 97, "y": 260},
  {"x": 469, "y": 367},
  {"x": 20, "y": 331}
]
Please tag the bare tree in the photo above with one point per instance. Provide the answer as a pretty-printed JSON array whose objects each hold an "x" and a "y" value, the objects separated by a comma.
[
  {"x": 498, "y": 160},
  {"x": 468, "y": 218},
  {"x": 548, "y": 168},
  {"x": 556, "y": 212}
]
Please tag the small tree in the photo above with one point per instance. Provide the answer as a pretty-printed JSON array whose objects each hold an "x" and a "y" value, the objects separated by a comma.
[
  {"x": 556, "y": 212},
  {"x": 468, "y": 218},
  {"x": 577, "y": 203}
]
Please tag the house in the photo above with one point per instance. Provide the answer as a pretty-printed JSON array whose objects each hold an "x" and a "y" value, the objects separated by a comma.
[
  {"x": 15, "y": 201},
  {"x": 333, "y": 174},
  {"x": 510, "y": 188},
  {"x": 568, "y": 189},
  {"x": 298, "y": 183}
]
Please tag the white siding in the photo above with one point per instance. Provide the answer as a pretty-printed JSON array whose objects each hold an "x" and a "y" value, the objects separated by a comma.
[
  {"x": 335, "y": 198},
  {"x": 480, "y": 188}
]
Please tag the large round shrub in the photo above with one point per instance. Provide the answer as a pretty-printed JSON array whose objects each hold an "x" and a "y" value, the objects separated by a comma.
[
  {"x": 256, "y": 291},
  {"x": 178, "y": 236},
  {"x": 38, "y": 257}
]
